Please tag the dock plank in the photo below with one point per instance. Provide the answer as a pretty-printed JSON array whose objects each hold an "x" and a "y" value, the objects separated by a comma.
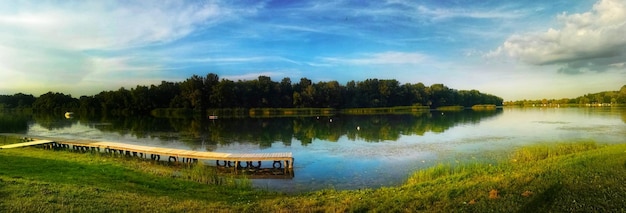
[
  {"x": 25, "y": 144},
  {"x": 181, "y": 153}
]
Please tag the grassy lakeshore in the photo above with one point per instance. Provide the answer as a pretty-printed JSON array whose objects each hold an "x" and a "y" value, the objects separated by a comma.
[
  {"x": 290, "y": 112},
  {"x": 561, "y": 177}
]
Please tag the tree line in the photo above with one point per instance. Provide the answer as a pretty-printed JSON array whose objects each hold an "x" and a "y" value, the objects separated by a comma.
[
  {"x": 594, "y": 99},
  {"x": 200, "y": 93},
  {"x": 16, "y": 101}
]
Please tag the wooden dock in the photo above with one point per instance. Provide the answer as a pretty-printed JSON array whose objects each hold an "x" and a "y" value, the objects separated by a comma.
[
  {"x": 29, "y": 143},
  {"x": 280, "y": 160}
]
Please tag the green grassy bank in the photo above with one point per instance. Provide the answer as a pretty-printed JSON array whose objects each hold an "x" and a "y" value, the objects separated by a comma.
[
  {"x": 289, "y": 112},
  {"x": 564, "y": 177},
  {"x": 386, "y": 110}
]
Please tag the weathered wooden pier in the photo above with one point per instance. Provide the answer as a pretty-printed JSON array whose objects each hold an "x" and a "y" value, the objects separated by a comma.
[{"x": 235, "y": 160}]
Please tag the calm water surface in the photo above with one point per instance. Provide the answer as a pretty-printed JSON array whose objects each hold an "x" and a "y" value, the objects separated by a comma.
[{"x": 352, "y": 152}]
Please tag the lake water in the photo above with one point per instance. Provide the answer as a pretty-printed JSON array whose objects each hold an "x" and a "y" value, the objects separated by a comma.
[{"x": 352, "y": 152}]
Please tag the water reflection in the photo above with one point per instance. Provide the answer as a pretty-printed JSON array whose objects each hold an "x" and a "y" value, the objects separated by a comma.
[
  {"x": 13, "y": 123},
  {"x": 53, "y": 121},
  {"x": 352, "y": 152},
  {"x": 266, "y": 131}
]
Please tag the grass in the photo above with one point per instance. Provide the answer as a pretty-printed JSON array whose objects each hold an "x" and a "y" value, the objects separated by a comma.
[
  {"x": 563, "y": 177},
  {"x": 481, "y": 107},
  {"x": 37, "y": 180},
  {"x": 450, "y": 108},
  {"x": 290, "y": 112},
  {"x": 65, "y": 181},
  {"x": 386, "y": 110}
]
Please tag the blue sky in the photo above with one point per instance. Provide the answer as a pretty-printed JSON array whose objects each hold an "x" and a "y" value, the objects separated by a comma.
[{"x": 513, "y": 49}]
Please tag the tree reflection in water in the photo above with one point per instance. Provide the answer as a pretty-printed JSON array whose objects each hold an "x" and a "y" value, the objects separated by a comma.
[
  {"x": 196, "y": 132},
  {"x": 13, "y": 123}
]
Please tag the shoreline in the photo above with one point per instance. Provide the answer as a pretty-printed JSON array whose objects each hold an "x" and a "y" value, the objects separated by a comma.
[{"x": 532, "y": 178}]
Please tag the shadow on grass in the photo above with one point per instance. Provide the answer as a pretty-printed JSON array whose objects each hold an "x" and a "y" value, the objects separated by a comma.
[{"x": 542, "y": 201}]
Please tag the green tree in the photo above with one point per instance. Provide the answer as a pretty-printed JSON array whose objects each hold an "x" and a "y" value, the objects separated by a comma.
[
  {"x": 164, "y": 93},
  {"x": 89, "y": 105},
  {"x": 351, "y": 94},
  {"x": 286, "y": 93},
  {"x": 115, "y": 102},
  {"x": 369, "y": 93},
  {"x": 192, "y": 92},
  {"x": 18, "y": 100},
  {"x": 224, "y": 94},
  {"x": 210, "y": 82},
  {"x": 389, "y": 91},
  {"x": 621, "y": 97},
  {"x": 55, "y": 102},
  {"x": 418, "y": 94},
  {"x": 304, "y": 93},
  {"x": 441, "y": 96},
  {"x": 330, "y": 94},
  {"x": 269, "y": 92}
]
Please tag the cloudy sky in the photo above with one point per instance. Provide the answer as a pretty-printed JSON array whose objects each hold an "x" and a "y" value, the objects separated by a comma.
[{"x": 513, "y": 49}]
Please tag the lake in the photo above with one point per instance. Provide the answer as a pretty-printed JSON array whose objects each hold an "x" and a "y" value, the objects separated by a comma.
[{"x": 348, "y": 152}]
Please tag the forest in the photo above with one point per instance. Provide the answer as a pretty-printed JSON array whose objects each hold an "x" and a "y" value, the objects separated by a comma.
[
  {"x": 200, "y": 93},
  {"x": 606, "y": 98}
]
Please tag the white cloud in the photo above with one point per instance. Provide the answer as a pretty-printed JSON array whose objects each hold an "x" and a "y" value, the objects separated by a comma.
[
  {"x": 60, "y": 44},
  {"x": 105, "y": 24},
  {"x": 122, "y": 66},
  {"x": 618, "y": 65},
  {"x": 445, "y": 13},
  {"x": 298, "y": 28},
  {"x": 242, "y": 60},
  {"x": 441, "y": 13},
  {"x": 589, "y": 41},
  {"x": 43, "y": 65},
  {"x": 381, "y": 59},
  {"x": 255, "y": 75}
]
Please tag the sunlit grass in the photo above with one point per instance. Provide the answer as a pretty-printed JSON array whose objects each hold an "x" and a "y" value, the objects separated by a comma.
[
  {"x": 387, "y": 110},
  {"x": 290, "y": 112},
  {"x": 563, "y": 177},
  {"x": 450, "y": 108},
  {"x": 38, "y": 180},
  {"x": 540, "y": 152},
  {"x": 4, "y": 140},
  {"x": 482, "y": 107},
  {"x": 557, "y": 177}
]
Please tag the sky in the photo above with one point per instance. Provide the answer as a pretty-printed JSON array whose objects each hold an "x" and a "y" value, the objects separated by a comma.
[{"x": 510, "y": 48}]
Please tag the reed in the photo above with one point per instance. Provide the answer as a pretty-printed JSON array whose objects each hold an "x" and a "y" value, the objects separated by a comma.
[
  {"x": 386, "y": 110},
  {"x": 209, "y": 175},
  {"x": 484, "y": 107},
  {"x": 450, "y": 108},
  {"x": 4, "y": 139},
  {"x": 290, "y": 112}
]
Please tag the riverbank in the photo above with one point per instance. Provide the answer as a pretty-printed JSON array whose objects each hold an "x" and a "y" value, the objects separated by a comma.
[
  {"x": 581, "y": 176},
  {"x": 308, "y": 112},
  {"x": 286, "y": 112}
]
